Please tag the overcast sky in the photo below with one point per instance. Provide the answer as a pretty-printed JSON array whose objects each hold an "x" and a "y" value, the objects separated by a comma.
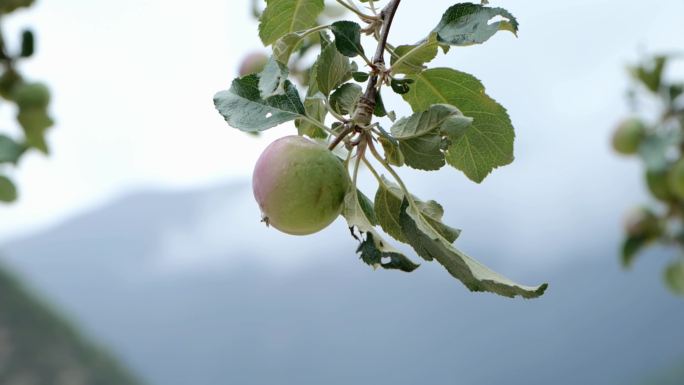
[{"x": 133, "y": 82}]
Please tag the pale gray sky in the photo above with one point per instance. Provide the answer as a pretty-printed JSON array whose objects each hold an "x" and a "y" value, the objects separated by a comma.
[{"x": 133, "y": 82}]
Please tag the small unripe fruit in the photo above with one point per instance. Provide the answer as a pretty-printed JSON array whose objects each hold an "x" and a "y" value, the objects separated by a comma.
[
  {"x": 299, "y": 185},
  {"x": 253, "y": 64},
  {"x": 657, "y": 182},
  {"x": 642, "y": 222},
  {"x": 628, "y": 136},
  {"x": 676, "y": 179}
]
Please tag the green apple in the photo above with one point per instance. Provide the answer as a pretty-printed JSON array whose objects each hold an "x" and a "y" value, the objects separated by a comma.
[
  {"x": 299, "y": 185},
  {"x": 628, "y": 136}
]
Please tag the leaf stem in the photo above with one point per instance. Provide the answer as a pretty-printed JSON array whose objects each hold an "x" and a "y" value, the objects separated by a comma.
[
  {"x": 318, "y": 124},
  {"x": 346, "y": 161},
  {"x": 373, "y": 171},
  {"x": 339, "y": 138},
  {"x": 396, "y": 177},
  {"x": 315, "y": 29},
  {"x": 360, "y": 150},
  {"x": 371, "y": 4},
  {"x": 366, "y": 59},
  {"x": 353, "y": 8},
  {"x": 402, "y": 59},
  {"x": 332, "y": 112}
]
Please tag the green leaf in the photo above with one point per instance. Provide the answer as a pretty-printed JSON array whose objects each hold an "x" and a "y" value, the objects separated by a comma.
[
  {"x": 284, "y": 16},
  {"x": 424, "y": 122},
  {"x": 243, "y": 108},
  {"x": 423, "y": 153},
  {"x": 315, "y": 109},
  {"x": 372, "y": 255},
  {"x": 674, "y": 277},
  {"x": 430, "y": 245},
  {"x": 272, "y": 78},
  {"x": 373, "y": 247},
  {"x": 333, "y": 69},
  {"x": 466, "y": 24},
  {"x": 650, "y": 73},
  {"x": 488, "y": 142},
  {"x": 390, "y": 146},
  {"x": 654, "y": 149},
  {"x": 347, "y": 38},
  {"x": 420, "y": 136},
  {"x": 360, "y": 77},
  {"x": 380, "y": 110},
  {"x": 9, "y": 80},
  {"x": 31, "y": 95},
  {"x": 411, "y": 59},
  {"x": 367, "y": 207},
  {"x": 35, "y": 121},
  {"x": 388, "y": 208},
  {"x": 8, "y": 193},
  {"x": 675, "y": 91},
  {"x": 300, "y": 41},
  {"x": 314, "y": 106},
  {"x": 388, "y": 202},
  {"x": 344, "y": 99},
  {"x": 631, "y": 247},
  {"x": 286, "y": 45},
  {"x": 10, "y": 151},
  {"x": 27, "y": 43},
  {"x": 401, "y": 86}
]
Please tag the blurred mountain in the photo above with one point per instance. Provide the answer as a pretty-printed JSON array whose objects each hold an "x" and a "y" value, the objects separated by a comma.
[
  {"x": 38, "y": 347},
  {"x": 189, "y": 288},
  {"x": 670, "y": 376}
]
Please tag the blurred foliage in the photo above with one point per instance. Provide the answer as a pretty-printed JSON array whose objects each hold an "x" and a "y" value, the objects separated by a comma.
[
  {"x": 38, "y": 347},
  {"x": 30, "y": 98},
  {"x": 659, "y": 143}
]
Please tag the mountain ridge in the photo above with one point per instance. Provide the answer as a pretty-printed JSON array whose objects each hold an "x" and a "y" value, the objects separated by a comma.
[{"x": 332, "y": 319}]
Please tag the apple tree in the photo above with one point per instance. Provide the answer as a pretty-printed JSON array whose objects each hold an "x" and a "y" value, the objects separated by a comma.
[
  {"x": 30, "y": 99},
  {"x": 658, "y": 142}
]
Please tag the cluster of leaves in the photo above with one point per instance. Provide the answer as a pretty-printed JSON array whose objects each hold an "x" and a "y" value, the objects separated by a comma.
[
  {"x": 659, "y": 143},
  {"x": 454, "y": 122},
  {"x": 30, "y": 98}
]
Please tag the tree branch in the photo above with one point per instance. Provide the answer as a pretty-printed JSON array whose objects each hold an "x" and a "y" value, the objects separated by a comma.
[{"x": 364, "y": 111}]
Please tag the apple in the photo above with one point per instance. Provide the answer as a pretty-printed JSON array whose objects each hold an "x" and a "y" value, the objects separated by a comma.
[
  {"x": 628, "y": 136},
  {"x": 299, "y": 185},
  {"x": 253, "y": 63}
]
